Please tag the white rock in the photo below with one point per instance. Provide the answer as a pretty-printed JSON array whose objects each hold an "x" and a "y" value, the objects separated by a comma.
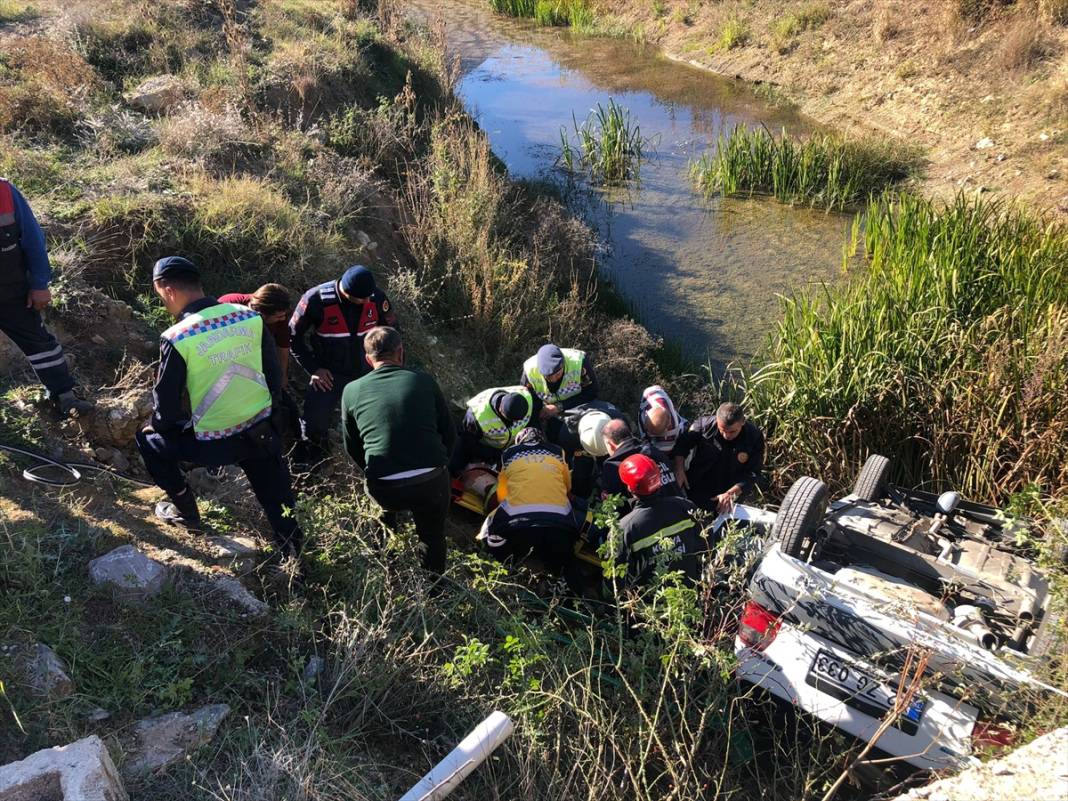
[
  {"x": 235, "y": 592},
  {"x": 132, "y": 576},
  {"x": 164, "y": 740},
  {"x": 81, "y": 771},
  {"x": 984, "y": 143},
  {"x": 156, "y": 94}
]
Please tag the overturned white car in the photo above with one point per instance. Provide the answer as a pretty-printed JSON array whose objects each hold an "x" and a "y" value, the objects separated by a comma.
[{"x": 896, "y": 616}]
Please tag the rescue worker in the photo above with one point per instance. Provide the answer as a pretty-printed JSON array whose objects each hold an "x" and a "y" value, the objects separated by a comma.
[
  {"x": 621, "y": 444},
  {"x": 534, "y": 512},
  {"x": 494, "y": 416},
  {"x": 658, "y": 421},
  {"x": 271, "y": 302},
  {"x": 335, "y": 315},
  {"x": 660, "y": 529},
  {"x": 726, "y": 459},
  {"x": 25, "y": 274},
  {"x": 558, "y": 379},
  {"x": 398, "y": 429},
  {"x": 222, "y": 356}
]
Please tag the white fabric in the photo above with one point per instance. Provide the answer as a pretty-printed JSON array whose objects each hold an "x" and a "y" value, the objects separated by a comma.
[{"x": 408, "y": 474}]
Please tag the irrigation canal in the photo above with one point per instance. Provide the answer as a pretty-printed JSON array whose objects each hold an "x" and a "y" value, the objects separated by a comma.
[{"x": 703, "y": 275}]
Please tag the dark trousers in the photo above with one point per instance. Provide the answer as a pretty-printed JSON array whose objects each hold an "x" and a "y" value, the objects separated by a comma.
[
  {"x": 553, "y": 545},
  {"x": 427, "y": 497},
  {"x": 321, "y": 409},
  {"x": 26, "y": 329},
  {"x": 263, "y": 465}
]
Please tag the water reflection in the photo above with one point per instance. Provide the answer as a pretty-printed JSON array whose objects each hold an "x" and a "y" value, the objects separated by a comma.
[{"x": 705, "y": 276}]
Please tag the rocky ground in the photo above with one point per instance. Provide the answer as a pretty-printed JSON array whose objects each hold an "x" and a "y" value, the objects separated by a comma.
[{"x": 986, "y": 99}]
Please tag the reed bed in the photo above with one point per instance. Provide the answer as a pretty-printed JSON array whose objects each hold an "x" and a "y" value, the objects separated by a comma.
[
  {"x": 608, "y": 145},
  {"x": 573, "y": 13},
  {"x": 949, "y": 352},
  {"x": 824, "y": 170}
]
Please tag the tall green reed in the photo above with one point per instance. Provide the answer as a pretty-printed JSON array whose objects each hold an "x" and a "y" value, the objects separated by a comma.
[
  {"x": 608, "y": 145},
  {"x": 824, "y": 170},
  {"x": 574, "y": 13},
  {"x": 949, "y": 352}
]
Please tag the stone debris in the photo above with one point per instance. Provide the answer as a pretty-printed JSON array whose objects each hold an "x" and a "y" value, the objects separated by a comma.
[
  {"x": 132, "y": 576},
  {"x": 156, "y": 94},
  {"x": 48, "y": 673},
  {"x": 235, "y": 592},
  {"x": 229, "y": 550},
  {"x": 985, "y": 143},
  {"x": 80, "y": 771},
  {"x": 313, "y": 670},
  {"x": 1038, "y": 770},
  {"x": 165, "y": 740}
]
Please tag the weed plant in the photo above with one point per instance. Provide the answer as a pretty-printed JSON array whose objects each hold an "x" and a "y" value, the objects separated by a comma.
[
  {"x": 574, "y": 13},
  {"x": 947, "y": 352},
  {"x": 608, "y": 145},
  {"x": 824, "y": 170}
]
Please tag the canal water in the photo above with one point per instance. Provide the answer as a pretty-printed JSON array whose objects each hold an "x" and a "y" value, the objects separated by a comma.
[{"x": 707, "y": 276}]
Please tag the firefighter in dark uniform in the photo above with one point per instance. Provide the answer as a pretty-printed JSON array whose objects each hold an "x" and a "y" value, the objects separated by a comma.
[
  {"x": 222, "y": 357},
  {"x": 727, "y": 461},
  {"x": 335, "y": 316},
  {"x": 661, "y": 526},
  {"x": 24, "y": 278}
]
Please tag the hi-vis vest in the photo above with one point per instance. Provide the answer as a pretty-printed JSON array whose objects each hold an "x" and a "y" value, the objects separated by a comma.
[
  {"x": 570, "y": 384},
  {"x": 221, "y": 346},
  {"x": 495, "y": 431}
]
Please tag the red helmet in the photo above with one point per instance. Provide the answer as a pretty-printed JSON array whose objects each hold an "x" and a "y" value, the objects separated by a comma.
[{"x": 640, "y": 474}]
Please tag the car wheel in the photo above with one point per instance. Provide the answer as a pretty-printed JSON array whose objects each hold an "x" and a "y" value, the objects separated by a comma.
[
  {"x": 799, "y": 516},
  {"x": 874, "y": 479}
]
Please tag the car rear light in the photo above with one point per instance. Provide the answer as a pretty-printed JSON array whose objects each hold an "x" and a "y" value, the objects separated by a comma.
[
  {"x": 992, "y": 735},
  {"x": 757, "y": 626}
]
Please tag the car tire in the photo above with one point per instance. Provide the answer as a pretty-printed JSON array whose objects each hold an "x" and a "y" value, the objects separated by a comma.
[
  {"x": 874, "y": 479},
  {"x": 799, "y": 516}
]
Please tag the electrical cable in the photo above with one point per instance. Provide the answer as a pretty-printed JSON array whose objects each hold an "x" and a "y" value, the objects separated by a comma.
[{"x": 67, "y": 474}]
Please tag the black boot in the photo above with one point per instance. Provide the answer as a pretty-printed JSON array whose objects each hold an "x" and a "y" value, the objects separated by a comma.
[{"x": 181, "y": 510}]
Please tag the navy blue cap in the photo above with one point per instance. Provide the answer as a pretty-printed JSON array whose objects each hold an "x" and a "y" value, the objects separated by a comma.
[
  {"x": 514, "y": 407},
  {"x": 357, "y": 282},
  {"x": 550, "y": 359},
  {"x": 172, "y": 266}
]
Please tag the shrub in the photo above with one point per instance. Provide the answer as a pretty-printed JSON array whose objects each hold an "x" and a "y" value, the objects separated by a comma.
[
  {"x": 1024, "y": 45},
  {"x": 16, "y": 11},
  {"x": 215, "y": 139},
  {"x": 1055, "y": 10},
  {"x": 47, "y": 88},
  {"x": 115, "y": 130},
  {"x": 734, "y": 33},
  {"x": 806, "y": 18}
]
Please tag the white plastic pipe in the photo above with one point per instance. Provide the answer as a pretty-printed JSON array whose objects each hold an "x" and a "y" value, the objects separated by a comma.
[{"x": 464, "y": 758}]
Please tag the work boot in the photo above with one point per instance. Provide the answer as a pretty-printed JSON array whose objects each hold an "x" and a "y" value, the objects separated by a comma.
[
  {"x": 70, "y": 405},
  {"x": 181, "y": 510}
]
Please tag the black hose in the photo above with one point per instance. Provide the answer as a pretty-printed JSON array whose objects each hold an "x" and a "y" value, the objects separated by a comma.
[{"x": 70, "y": 473}]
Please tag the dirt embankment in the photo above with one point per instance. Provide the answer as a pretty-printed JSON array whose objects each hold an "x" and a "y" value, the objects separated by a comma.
[{"x": 984, "y": 94}]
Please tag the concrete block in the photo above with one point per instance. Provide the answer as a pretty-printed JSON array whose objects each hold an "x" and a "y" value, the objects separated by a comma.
[{"x": 81, "y": 771}]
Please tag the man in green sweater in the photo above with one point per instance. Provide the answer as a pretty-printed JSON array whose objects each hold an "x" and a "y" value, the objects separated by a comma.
[{"x": 398, "y": 429}]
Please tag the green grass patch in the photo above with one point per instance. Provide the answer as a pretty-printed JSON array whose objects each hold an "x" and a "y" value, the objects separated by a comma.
[
  {"x": 574, "y": 13},
  {"x": 805, "y": 18},
  {"x": 825, "y": 170},
  {"x": 16, "y": 11},
  {"x": 733, "y": 34},
  {"x": 946, "y": 352},
  {"x": 608, "y": 145}
]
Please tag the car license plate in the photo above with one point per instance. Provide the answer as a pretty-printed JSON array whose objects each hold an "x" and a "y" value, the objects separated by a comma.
[{"x": 860, "y": 689}]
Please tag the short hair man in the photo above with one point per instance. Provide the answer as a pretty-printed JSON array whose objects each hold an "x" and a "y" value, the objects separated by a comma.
[
  {"x": 222, "y": 357},
  {"x": 727, "y": 458},
  {"x": 661, "y": 526},
  {"x": 25, "y": 274},
  {"x": 397, "y": 428},
  {"x": 622, "y": 444}
]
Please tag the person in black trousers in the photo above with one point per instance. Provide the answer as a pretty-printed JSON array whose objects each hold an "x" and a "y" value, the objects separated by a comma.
[{"x": 397, "y": 427}]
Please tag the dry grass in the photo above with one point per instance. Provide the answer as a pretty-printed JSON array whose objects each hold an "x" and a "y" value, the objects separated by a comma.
[
  {"x": 1024, "y": 45},
  {"x": 887, "y": 25},
  {"x": 1055, "y": 10},
  {"x": 48, "y": 86}
]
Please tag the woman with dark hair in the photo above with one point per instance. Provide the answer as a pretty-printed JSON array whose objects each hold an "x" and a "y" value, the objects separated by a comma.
[{"x": 272, "y": 303}]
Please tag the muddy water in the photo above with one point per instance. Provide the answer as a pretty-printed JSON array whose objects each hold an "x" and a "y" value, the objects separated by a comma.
[{"x": 704, "y": 275}]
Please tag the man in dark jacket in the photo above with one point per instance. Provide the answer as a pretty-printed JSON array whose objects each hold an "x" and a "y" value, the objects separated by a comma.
[
  {"x": 622, "y": 444},
  {"x": 222, "y": 358},
  {"x": 397, "y": 428},
  {"x": 727, "y": 462},
  {"x": 25, "y": 274},
  {"x": 660, "y": 528},
  {"x": 335, "y": 316}
]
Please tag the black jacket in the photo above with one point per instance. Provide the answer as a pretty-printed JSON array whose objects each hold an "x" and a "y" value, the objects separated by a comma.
[
  {"x": 717, "y": 464},
  {"x": 662, "y": 524},
  {"x": 611, "y": 484}
]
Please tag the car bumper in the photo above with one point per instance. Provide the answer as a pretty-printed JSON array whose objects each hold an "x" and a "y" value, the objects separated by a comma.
[{"x": 942, "y": 737}]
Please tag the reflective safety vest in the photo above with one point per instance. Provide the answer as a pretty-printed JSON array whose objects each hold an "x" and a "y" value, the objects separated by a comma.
[
  {"x": 570, "y": 384},
  {"x": 221, "y": 346},
  {"x": 495, "y": 431}
]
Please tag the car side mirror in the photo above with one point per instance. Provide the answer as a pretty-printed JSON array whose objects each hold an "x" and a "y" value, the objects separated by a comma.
[{"x": 948, "y": 502}]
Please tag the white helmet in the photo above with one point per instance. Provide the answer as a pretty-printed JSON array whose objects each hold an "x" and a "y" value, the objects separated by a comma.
[{"x": 590, "y": 431}]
